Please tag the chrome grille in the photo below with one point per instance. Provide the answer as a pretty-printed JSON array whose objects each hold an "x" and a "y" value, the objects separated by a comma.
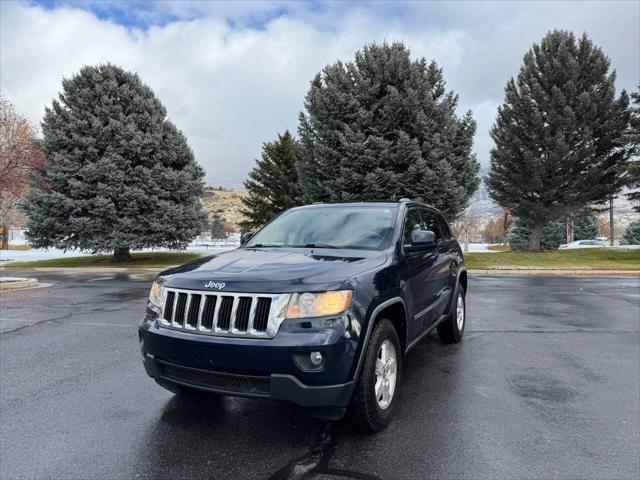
[{"x": 223, "y": 314}]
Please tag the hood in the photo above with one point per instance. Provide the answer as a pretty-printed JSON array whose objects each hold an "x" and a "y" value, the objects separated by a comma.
[{"x": 273, "y": 270}]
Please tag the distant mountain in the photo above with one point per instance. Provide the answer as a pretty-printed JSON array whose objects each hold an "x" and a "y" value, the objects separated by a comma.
[{"x": 225, "y": 204}]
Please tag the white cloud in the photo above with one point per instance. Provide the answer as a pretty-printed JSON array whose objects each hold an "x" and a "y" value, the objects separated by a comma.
[{"x": 230, "y": 89}]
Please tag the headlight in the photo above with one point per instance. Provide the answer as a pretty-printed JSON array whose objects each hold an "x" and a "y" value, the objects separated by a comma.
[
  {"x": 303, "y": 305},
  {"x": 156, "y": 296}
]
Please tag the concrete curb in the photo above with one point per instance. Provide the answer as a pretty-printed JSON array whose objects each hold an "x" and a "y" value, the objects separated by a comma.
[
  {"x": 557, "y": 273},
  {"x": 18, "y": 284}
]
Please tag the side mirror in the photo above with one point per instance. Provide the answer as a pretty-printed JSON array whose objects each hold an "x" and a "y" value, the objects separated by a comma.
[
  {"x": 422, "y": 239},
  {"x": 245, "y": 237}
]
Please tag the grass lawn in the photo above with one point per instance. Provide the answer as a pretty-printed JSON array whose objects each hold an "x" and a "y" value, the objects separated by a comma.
[
  {"x": 585, "y": 259},
  {"x": 139, "y": 260},
  {"x": 579, "y": 259}
]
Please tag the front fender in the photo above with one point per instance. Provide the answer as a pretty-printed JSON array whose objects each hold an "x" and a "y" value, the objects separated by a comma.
[{"x": 371, "y": 321}]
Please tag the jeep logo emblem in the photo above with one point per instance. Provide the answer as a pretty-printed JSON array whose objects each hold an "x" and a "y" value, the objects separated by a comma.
[{"x": 216, "y": 285}]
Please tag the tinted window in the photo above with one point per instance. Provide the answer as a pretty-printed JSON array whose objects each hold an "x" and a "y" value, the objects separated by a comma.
[
  {"x": 366, "y": 228},
  {"x": 412, "y": 222},
  {"x": 431, "y": 223},
  {"x": 444, "y": 227}
]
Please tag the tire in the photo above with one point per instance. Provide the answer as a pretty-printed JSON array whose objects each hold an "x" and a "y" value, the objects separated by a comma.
[
  {"x": 373, "y": 411},
  {"x": 451, "y": 330}
]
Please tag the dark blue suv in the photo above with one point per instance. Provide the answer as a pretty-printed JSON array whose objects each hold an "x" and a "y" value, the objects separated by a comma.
[{"x": 317, "y": 308}]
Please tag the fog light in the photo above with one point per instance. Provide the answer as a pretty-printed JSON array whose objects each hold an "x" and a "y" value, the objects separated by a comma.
[{"x": 316, "y": 358}]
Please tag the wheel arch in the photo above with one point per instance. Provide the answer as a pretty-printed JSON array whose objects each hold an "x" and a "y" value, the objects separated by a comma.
[
  {"x": 393, "y": 309},
  {"x": 462, "y": 279}
]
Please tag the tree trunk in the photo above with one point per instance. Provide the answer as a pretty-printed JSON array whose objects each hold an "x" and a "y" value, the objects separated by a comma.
[
  {"x": 4, "y": 237},
  {"x": 569, "y": 230},
  {"x": 535, "y": 239},
  {"x": 121, "y": 254},
  {"x": 611, "y": 232},
  {"x": 466, "y": 240}
]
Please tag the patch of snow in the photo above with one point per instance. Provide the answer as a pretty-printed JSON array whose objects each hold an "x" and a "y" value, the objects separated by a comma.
[
  {"x": 478, "y": 248},
  {"x": 8, "y": 256}
]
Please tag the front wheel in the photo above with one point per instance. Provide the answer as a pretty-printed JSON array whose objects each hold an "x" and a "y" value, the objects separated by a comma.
[
  {"x": 375, "y": 396},
  {"x": 452, "y": 329}
]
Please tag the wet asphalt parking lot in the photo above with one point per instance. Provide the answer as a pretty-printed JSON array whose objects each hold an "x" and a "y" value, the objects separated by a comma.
[{"x": 545, "y": 384}]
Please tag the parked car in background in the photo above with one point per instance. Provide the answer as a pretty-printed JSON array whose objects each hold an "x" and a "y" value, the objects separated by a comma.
[{"x": 583, "y": 244}]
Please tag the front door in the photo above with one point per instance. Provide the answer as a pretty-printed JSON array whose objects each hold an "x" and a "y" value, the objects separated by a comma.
[
  {"x": 441, "y": 274},
  {"x": 421, "y": 286}
]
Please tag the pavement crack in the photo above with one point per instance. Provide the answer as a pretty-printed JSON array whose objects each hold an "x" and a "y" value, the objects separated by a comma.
[
  {"x": 36, "y": 324},
  {"x": 316, "y": 460}
]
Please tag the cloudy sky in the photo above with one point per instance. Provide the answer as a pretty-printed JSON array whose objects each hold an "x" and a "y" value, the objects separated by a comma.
[{"x": 233, "y": 75}]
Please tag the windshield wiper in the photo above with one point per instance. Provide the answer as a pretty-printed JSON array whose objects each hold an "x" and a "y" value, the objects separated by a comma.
[
  {"x": 265, "y": 245},
  {"x": 314, "y": 245}
]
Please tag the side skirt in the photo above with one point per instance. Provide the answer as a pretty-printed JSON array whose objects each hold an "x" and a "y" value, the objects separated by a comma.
[
  {"x": 416, "y": 340},
  {"x": 443, "y": 317}
]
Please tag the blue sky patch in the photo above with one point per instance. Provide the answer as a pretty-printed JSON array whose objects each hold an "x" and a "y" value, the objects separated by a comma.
[{"x": 132, "y": 14}]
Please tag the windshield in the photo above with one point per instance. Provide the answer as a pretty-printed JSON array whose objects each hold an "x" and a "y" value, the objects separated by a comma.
[{"x": 366, "y": 228}]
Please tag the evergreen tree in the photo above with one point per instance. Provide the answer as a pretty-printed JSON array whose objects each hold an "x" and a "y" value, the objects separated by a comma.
[
  {"x": 632, "y": 234},
  {"x": 554, "y": 233},
  {"x": 273, "y": 183},
  {"x": 384, "y": 127},
  {"x": 632, "y": 140},
  {"x": 585, "y": 225},
  {"x": 556, "y": 135},
  {"x": 518, "y": 236},
  {"x": 217, "y": 228},
  {"x": 122, "y": 176}
]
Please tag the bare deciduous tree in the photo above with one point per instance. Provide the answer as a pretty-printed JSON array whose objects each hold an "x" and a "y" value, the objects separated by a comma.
[
  {"x": 19, "y": 155},
  {"x": 467, "y": 225}
]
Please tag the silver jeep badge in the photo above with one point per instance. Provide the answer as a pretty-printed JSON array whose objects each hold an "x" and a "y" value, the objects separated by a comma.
[{"x": 216, "y": 285}]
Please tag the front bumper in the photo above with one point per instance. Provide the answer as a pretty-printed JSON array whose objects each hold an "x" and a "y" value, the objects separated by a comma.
[
  {"x": 260, "y": 368},
  {"x": 275, "y": 386}
]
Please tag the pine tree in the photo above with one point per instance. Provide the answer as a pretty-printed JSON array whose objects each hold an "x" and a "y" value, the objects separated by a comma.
[
  {"x": 632, "y": 234},
  {"x": 553, "y": 235},
  {"x": 384, "y": 127},
  {"x": 632, "y": 140},
  {"x": 273, "y": 183},
  {"x": 556, "y": 135},
  {"x": 585, "y": 225},
  {"x": 122, "y": 176},
  {"x": 518, "y": 236},
  {"x": 217, "y": 228}
]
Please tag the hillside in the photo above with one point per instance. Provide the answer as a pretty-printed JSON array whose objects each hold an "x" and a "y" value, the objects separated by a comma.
[{"x": 225, "y": 204}]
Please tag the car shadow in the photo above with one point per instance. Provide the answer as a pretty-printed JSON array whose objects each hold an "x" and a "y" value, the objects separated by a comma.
[{"x": 212, "y": 436}]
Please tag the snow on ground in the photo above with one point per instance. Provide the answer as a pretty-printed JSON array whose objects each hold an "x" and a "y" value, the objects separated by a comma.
[
  {"x": 479, "y": 248},
  {"x": 8, "y": 256},
  {"x": 209, "y": 248}
]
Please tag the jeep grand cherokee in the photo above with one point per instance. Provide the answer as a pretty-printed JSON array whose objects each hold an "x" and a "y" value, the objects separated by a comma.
[{"x": 317, "y": 308}]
